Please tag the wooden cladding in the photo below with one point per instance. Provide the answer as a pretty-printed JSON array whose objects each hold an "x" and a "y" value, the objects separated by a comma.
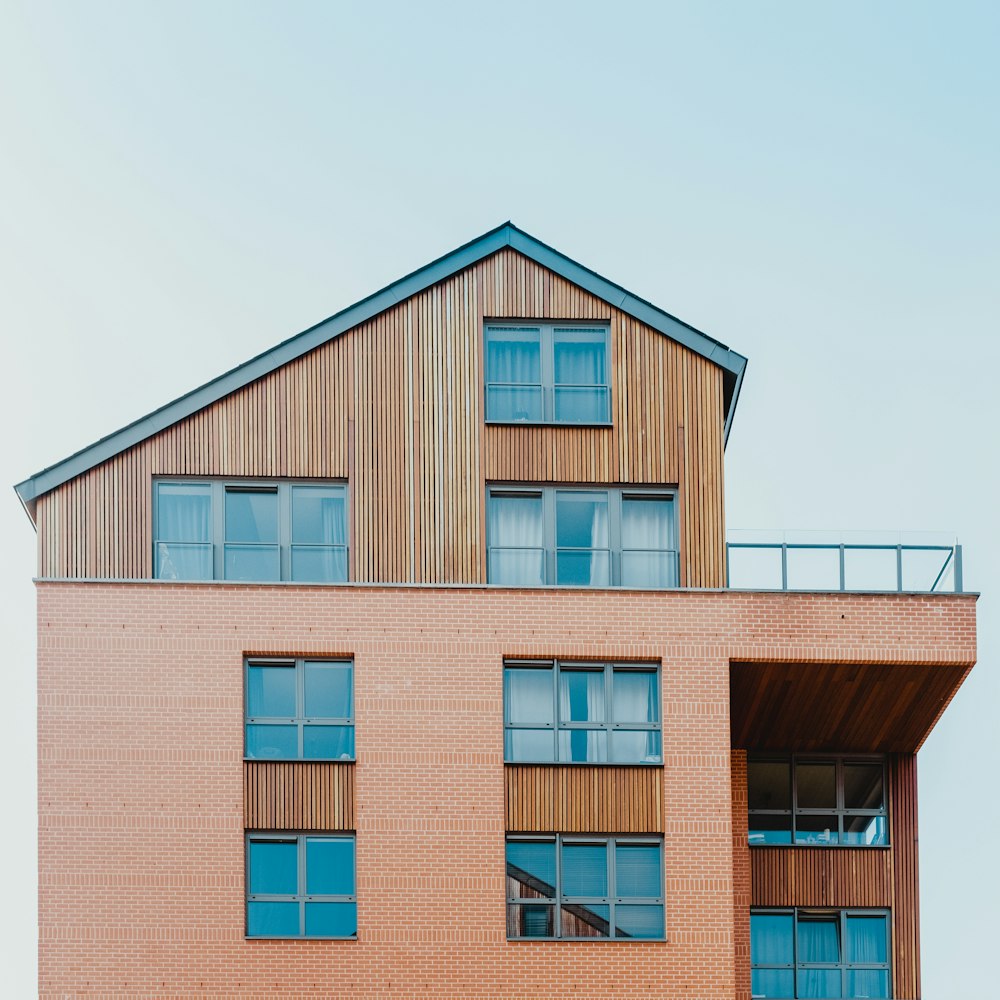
[
  {"x": 583, "y": 799},
  {"x": 395, "y": 407},
  {"x": 906, "y": 883},
  {"x": 820, "y": 876},
  {"x": 298, "y": 795}
]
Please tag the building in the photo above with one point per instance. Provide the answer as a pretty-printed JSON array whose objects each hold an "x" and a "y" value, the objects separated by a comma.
[{"x": 403, "y": 660}]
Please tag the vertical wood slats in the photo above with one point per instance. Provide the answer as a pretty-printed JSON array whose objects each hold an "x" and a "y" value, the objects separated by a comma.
[
  {"x": 906, "y": 883},
  {"x": 403, "y": 393},
  {"x": 821, "y": 876},
  {"x": 298, "y": 795},
  {"x": 583, "y": 799}
]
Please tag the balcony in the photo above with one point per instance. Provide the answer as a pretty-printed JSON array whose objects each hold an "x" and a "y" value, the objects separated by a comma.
[{"x": 883, "y": 562}]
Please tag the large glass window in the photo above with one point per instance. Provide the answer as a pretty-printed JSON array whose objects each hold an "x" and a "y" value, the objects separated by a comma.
[
  {"x": 547, "y": 373},
  {"x": 824, "y": 801},
  {"x": 593, "y": 713},
  {"x": 584, "y": 887},
  {"x": 581, "y": 537},
  {"x": 246, "y": 530},
  {"x": 820, "y": 954},
  {"x": 300, "y": 886},
  {"x": 299, "y": 710}
]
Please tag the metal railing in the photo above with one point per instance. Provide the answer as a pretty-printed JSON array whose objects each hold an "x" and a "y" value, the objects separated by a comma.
[{"x": 855, "y": 561}]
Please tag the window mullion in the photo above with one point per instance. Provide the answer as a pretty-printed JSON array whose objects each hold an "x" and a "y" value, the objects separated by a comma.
[
  {"x": 547, "y": 365},
  {"x": 218, "y": 530}
]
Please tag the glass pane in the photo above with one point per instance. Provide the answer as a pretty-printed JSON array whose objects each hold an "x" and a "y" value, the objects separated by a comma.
[
  {"x": 816, "y": 829},
  {"x": 771, "y": 939},
  {"x": 772, "y": 983},
  {"x": 328, "y": 742},
  {"x": 515, "y": 533},
  {"x": 863, "y": 786},
  {"x": 635, "y": 696},
  {"x": 183, "y": 513},
  {"x": 514, "y": 404},
  {"x": 328, "y": 690},
  {"x": 273, "y": 919},
  {"x": 583, "y": 569},
  {"x": 331, "y": 919},
  {"x": 251, "y": 516},
  {"x": 581, "y": 406},
  {"x": 274, "y": 867},
  {"x": 823, "y": 984},
  {"x": 819, "y": 939},
  {"x": 581, "y": 696},
  {"x": 816, "y": 786},
  {"x": 531, "y": 869},
  {"x": 866, "y": 831},
  {"x": 272, "y": 742},
  {"x": 181, "y": 561},
  {"x": 319, "y": 515},
  {"x": 868, "y": 983},
  {"x": 252, "y": 562},
  {"x": 867, "y": 940},
  {"x": 329, "y": 866},
  {"x": 319, "y": 564},
  {"x": 635, "y": 746},
  {"x": 583, "y": 746},
  {"x": 637, "y": 870},
  {"x": 648, "y": 524},
  {"x": 517, "y": 567},
  {"x": 769, "y": 785},
  {"x": 536, "y": 745},
  {"x": 580, "y": 356},
  {"x": 649, "y": 569},
  {"x": 638, "y": 921},
  {"x": 766, "y": 829},
  {"x": 529, "y": 695},
  {"x": 584, "y": 869},
  {"x": 585, "y": 920},
  {"x": 530, "y": 920},
  {"x": 870, "y": 569},
  {"x": 582, "y": 520},
  {"x": 271, "y": 692},
  {"x": 513, "y": 355}
]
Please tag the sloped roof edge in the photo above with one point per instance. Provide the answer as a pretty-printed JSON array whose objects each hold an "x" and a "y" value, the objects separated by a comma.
[{"x": 732, "y": 364}]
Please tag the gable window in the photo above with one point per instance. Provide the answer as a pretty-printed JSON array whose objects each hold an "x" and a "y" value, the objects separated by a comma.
[
  {"x": 300, "y": 886},
  {"x": 299, "y": 710},
  {"x": 819, "y": 953},
  {"x": 250, "y": 530},
  {"x": 581, "y": 712},
  {"x": 581, "y": 537},
  {"x": 816, "y": 800},
  {"x": 565, "y": 886},
  {"x": 547, "y": 373}
]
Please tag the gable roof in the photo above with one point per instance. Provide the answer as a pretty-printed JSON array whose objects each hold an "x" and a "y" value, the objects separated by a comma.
[{"x": 506, "y": 235}]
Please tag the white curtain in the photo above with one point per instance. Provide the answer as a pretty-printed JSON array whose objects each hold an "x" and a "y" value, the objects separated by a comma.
[
  {"x": 580, "y": 357},
  {"x": 513, "y": 356},
  {"x": 184, "y": 515},
  {"x": 648, "y": 543},
  {"x": 516, "y": 539}
]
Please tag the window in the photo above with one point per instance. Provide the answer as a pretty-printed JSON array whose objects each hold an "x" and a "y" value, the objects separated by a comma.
[
  {"x": 299, "y": 710},
  {"x": 581, "y": 537},
  {"x": 584, "y": 887},
  {"x": 817, "y": 800},
  {"x": 547, "y": 373},
  {"x": 250, "y": 531},
  {"x": 819, "y": 953},
  {"x": 581, "y": 712},
  {"x": 300, "y": 886}
]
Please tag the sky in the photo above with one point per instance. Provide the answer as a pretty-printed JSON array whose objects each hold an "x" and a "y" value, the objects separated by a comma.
[{"x": 815, "y": 185}]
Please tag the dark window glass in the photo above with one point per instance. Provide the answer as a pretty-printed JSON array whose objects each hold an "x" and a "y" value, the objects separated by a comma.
[
  {"x": 585, "y": 869},
  {"x": 863, "y": 786},
  {"x": 816, "y": 785},
  {"x": 769, "y": 784}
]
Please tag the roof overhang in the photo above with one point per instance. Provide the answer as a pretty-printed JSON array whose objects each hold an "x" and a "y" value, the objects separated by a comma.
[{"x": 732, "y": 364}]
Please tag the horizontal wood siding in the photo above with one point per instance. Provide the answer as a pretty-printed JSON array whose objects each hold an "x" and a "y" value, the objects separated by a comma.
[
  {"x": 581, "y": 799},
  {"x": 298, "y": 795},
  {"x": 821, "y": 876},
  {"x": 395, "y": 406}
]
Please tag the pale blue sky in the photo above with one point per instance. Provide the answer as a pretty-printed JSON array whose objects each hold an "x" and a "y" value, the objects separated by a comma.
[{"x": 185, "y": 184}]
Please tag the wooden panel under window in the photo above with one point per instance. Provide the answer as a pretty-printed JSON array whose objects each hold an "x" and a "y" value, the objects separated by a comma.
[
  {"x": 298, "y": 795},
  {"x": 821, "y": 876},
  {"x": 906, "y": 911},
  {"x": 543, "y": 798}
]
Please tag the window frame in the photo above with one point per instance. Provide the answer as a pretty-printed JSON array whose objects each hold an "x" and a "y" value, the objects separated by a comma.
[
  {"x": 841, "y": 811},
  {"x": 301, "y": 897},
  {"x": 300, "y": 720},
  {"x": 219, "y": 487},
  {"x": 616, "y": 496},
  {"x": 845, "y": 967},
  {"x": 547, "y": 386},
  {"x": 612, "y": 900},
  {"x": 608, "y": 668}
]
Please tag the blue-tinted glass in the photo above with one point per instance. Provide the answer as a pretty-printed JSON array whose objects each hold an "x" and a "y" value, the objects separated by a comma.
[
  {"x": 639, "y": 921},
  {"x": 531, "y": 868},
  {"x": 538, "y": 745},
  {"x": 272, "y": 742},
  {"x": 251, "y": 516},
  {"x": 182, "y": 561},
  {"x": 583, "y": 746},
  {"x": 274, "y": 868},
  {"x": 319, "y": 515},
  {"x": 635, "y": 696},
  {"x": 584, "y": 869},
  {"x": 514, "y": 403},
  {"x": 575, "y": 405},
  {"x": 580, "y": 357},
  {"x": 252, "y": 562},
  {"x": 273, "y": 919},
  {"x": 328, "y": 742},
  {"x": 530, "y": 920},
  {"x": 643, "y": 570},
  {"x": 517, "y": 567},
  {"x": 771, "y": 939},
  {"x": 515, "y": 521},
  {"x": 513, "y": 356},
  {"x": 583, "y": 569},
  {"x": 637, "y": 870},
  {"x": 329, "y": 866},
  {"x": 819, "y": 984},
  {"x": 648, "y": 523},
  {"x": 581, "y": 520},
  {"x": 769, "y": 983},
  {"x": 816, "y": 829},
  {"x": 776, "y": 829},
  {"x": 819, "y": 939},
  {"x": 867, "y": 940},
  {"x": 270, "y": 692},
  {"x": 868, "y": 983},
  {"x": 528, "y": 692},
  {"x": 183, "y": 513},
  {"x": 328, "y": 690},
  {"x": 586, "y": 920},
  {"x": 331, "y": 919},
  {"x": 581, "y": 696},
  {"x": 635, "y": 746},
  {"x": 863, "y": 786},
  {"x": 866, "y": 831},
  {"x": 319, "y": 564}
]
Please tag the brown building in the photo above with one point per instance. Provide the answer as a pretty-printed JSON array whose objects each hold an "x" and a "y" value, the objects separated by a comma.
[{"x": 410, "y": 659}]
